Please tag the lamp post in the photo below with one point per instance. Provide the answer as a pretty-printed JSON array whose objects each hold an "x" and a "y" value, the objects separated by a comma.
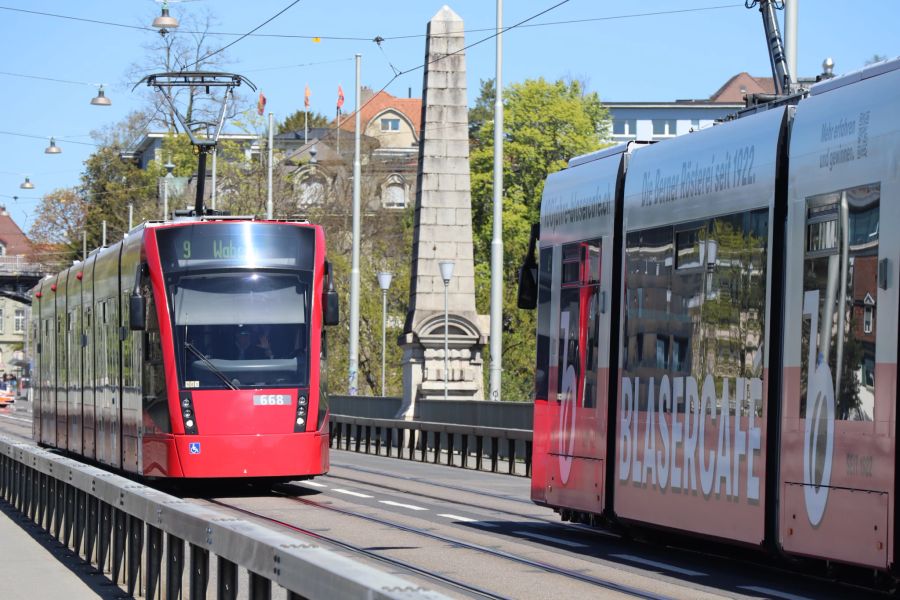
[
  {"x": 169, "y": 168},
  {"x": 384, "y": 282},
  {"x": 446, "y": 275}
]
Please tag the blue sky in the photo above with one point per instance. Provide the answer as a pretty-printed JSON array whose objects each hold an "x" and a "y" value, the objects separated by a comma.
[{"x": 622, "y": 50}]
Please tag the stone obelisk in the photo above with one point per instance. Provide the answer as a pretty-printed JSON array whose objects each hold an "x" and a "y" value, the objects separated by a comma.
[{"x": 443, "y": 232}]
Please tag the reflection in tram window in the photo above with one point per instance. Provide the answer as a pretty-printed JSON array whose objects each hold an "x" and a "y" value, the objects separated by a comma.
[
  {"x": 841, "y": 268},
  {"x": 579, "y": 322},
  {"x": 545, "y": 281},
  {"x": 707, "y": 315}
]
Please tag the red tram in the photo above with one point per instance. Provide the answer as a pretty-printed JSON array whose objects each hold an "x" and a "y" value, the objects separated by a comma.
[
  {"x": 190, "y": 349},
  {"x": 717, "y": 328}
]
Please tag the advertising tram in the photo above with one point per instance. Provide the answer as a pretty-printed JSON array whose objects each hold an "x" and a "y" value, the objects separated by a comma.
[
  {"x": 192, "y": 348},
  {"x": 717, "y": 328}
]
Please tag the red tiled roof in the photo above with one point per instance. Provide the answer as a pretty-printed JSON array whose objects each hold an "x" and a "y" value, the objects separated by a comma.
[
  {"x": 12, "y": 237},
  {"x": 741, "y": 84},
  {"x": 411, "y": 108}
]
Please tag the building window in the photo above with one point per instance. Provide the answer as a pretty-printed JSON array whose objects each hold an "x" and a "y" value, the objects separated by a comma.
[
  {"x": 394, "y": 192},
  {"x": 390, "y": 124},
  {"x": 20, "y": 320},
  {"x": 2, "y": 323},
  {"x": 2, "y": 249},
  {"x": 625, "y": 127},
  {"x": 664, "y": 127},
  {"x": 868, "y": 319}
]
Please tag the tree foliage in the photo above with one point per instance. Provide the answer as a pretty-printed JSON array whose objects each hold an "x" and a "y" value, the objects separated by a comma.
[
  {"x": 295, "y": 121},
  {"x": 545, "y": 124}
]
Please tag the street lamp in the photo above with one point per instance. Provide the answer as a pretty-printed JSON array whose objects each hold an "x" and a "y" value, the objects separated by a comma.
[
  {"x": 164, "y": 21},
  {"x": 26, "y": 185},
  {"x": 384, "y": 282},
  {"x": 52, "y": 148},
  {"x": 100, "y": 99},
  {"x": 446, "y": 275}
]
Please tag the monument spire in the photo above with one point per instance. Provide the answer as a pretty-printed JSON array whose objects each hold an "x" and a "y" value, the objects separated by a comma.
[{"x": 443, "y": 230}]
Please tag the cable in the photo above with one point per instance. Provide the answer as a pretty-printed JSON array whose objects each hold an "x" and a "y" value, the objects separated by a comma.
[
  {"x": 45, "y": 137},
  {"x": 367, "y": 39},
  {"x": 47, "y": 78},
  {"x": 260, "y": 26}
]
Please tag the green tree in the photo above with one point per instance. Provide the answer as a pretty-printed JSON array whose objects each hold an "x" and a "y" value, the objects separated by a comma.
[
  {"x": 545, "y": 124},
  {"x": 294, "y": 121}
]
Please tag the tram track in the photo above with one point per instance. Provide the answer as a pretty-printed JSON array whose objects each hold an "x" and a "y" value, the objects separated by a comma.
[{"x": 597, "y": 582}]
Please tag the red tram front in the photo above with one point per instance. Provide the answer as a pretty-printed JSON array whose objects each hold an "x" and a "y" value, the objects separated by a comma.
[{"x": 190, "y": 349}]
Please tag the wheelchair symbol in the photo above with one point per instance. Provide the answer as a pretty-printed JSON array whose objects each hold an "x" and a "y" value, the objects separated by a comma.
[{"x": 194, "y": 447}]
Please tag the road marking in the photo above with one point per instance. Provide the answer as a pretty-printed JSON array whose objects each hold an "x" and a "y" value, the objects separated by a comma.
[
  {"x": 659, "y": 565},
  {"x": 553, "y": 540},
  {"x": 349, "y": 493},
  {"x": 466, "y": 520},
  {"x": 770, "y": 592},
  {"x": 458, "y": 518},
  {"x": 401, "y": 505},
  {"x": 314, "y": 484}
]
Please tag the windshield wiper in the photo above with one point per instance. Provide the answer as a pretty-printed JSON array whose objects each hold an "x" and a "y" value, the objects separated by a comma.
[{"x": 216, "y": 371}]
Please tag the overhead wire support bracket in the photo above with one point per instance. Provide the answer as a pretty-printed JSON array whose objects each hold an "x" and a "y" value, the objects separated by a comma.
[{"x": 164, "y": 82}]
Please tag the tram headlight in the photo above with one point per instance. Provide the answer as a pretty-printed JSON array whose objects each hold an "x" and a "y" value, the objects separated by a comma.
[
  {"x": 187, "y": 414},
  {"x": 300, "y": 421},
  {"x": 302, "y": 407}
]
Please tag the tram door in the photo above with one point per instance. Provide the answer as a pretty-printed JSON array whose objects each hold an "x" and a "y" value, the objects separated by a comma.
[
  {"x": 574, "y": 418},
  {"x": 837, "y": 451}
]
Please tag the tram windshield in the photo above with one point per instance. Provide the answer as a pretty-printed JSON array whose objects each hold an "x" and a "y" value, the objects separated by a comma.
[
  {"x": 242, "y": 329},
  {"x": 240, "y": 294}
]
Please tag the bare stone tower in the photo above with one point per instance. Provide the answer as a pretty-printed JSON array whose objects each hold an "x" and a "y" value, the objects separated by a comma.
[{"x": 443, "y": 231}]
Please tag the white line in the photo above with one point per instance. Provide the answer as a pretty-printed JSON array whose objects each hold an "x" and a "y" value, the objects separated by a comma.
[
  {"x": 550, "y": 539},
  {"x": 349, "y": 493},
  {"x": 659, "y": 565},
  {"x": 466, "y": 520},
  {"x": 409, "y": 506},
  {"x": 314, "y": 484},
  {"x": 770, "y": 592},
  {"x": 458, "y": 518}
]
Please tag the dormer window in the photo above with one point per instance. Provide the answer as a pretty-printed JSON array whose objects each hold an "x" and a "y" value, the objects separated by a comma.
[
  {"x": 390, "y": 124},
  {"x": 2, "y": 249}
]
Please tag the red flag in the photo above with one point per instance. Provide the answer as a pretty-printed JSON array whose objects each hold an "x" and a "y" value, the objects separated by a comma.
[
  {"x": 306, "y": 97},
  {"x": 261, "y": 104},
  {"x": 340, "y": 102}
]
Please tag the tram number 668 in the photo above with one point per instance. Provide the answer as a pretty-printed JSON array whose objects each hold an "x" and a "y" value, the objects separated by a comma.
[{"x": 271, "y": 399}]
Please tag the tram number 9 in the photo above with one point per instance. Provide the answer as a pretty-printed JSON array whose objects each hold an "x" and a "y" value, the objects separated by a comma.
[
  {"x": 859, "y": 465},
  {"x": 186, "y": 249},
  {"x": 271, "y": 400}
]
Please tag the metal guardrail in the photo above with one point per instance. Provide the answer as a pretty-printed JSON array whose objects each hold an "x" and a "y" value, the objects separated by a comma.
[
  {"x": 137, "y": 535},
  {"x": 424, "y": 441}
]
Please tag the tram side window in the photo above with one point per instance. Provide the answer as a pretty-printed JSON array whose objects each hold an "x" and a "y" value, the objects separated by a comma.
[
  {"x": 545, "y": 280},
  {"x": 705, "y": 316},
  {"x": 840, "y": 270},
  {"x": 579, "y": 321}
]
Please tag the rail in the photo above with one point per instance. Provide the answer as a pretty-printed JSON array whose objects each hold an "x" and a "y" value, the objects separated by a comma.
[
  {"x": 138, "y": 535},
  {"x": 447, "y": 443}
]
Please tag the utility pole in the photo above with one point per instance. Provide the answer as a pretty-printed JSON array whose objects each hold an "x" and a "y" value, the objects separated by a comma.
[
  {"x": 790, "y": 37},
  {"x": 497, "y": 240},
  {"x": 269, "y": 206},
  {"x": 354, "y": 267}
]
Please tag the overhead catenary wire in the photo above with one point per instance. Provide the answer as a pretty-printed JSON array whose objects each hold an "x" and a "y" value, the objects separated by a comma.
[{"x": 349, "y": 38}]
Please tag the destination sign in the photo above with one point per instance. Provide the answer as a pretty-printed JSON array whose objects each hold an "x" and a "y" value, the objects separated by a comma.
[{"x": 201, "y": 245}]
